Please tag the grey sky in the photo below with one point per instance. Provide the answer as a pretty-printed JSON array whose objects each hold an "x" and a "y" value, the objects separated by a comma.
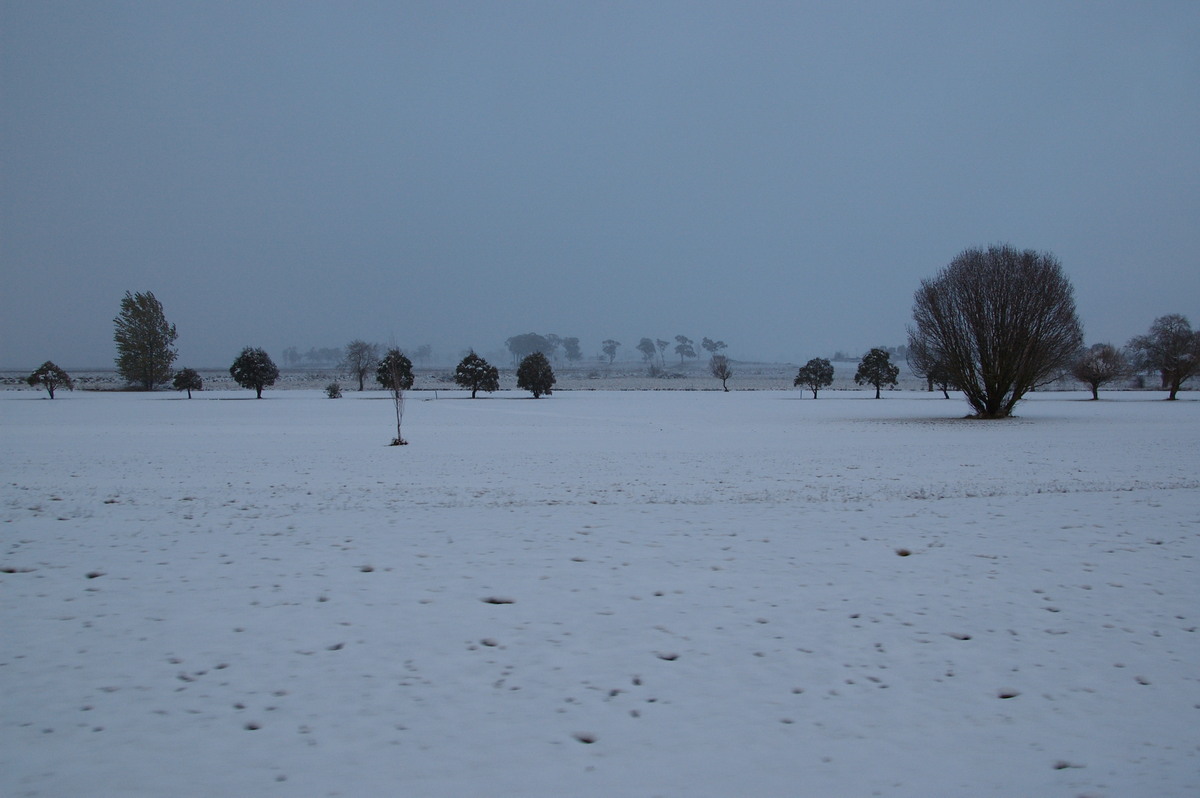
[{"x": 777, "y": 175}]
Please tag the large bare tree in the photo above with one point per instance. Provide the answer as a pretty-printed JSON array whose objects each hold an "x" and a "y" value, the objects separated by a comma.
[
  {"x": 1002, "y": 321},
  {"x": 1171, "y": 348}
]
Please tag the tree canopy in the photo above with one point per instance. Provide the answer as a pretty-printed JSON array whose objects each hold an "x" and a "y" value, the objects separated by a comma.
[
  {"x": 188, "y": 380},
  {"x": 254, "y": 369},
  {"x": 1171, "y": 348},
  {"x": 1100, "y": 364},
  {"x": 535, "y": 375},
  {"x": 477, "y": 374},
  {"x": 815, "y": 375},
  {"x": 144, "y": 341},
  {"x": 394, "y": 364},
  {"x": 1001, "y": 321},
  {"x": 876, "y": 368},
  {"x": 51, "y": 377},
  {"x": 358, "y": 360}
]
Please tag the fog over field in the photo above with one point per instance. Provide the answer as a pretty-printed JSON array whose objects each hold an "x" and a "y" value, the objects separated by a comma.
[
  {"x": 655, "y": 593},
  {"x": 780, "y": 176}
]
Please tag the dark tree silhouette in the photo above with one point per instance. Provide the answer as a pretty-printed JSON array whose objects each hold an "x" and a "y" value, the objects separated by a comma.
[
  {"x": 815, "y": 375},
  {"x": 394, "y": 363},
  {"x": 610, "y": 347},
  {"x": 711, "y": 346},
  {"x": 477, "y": 374},
  {"x": 535, "y": 375},
  {"x": 51, "y": 377},
  {"x": 187, "y": 380},
  {"x": 527, "y": 344},
  {"x": 572, "y": 350},
  {"x": 1171, "y": 348},
  {"x": 254, "y": 369},
  {"x": 144, "y": 341},
  {"x": 721, "y": 369},
  {"x": 646, "y": 347},
  {"x": 1100, "y": 364},
  {"x": 1002, "y": 322},
  {"x": 876, "y": 368},
  {"x": 358, "y": 359},
  {"x": 684, "y": 347}
]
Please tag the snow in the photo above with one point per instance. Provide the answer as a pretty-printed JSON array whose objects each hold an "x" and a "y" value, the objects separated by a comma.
[{"x": 598, "y": 593}]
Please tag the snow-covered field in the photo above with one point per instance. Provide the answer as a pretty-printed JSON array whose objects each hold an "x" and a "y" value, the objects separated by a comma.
[{"x": 598, "y": 593}]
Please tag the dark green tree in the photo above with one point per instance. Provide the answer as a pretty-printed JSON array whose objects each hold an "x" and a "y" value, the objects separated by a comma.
[
  {"x": 51, "y": 377},
  {"x": 188, "y": 380},
  {"x": 1001, "y": 321},
  {"x": 535, "y": 375},
  {"x": 397, "y": 363},
  {"x": 477, "y": 374},
  {"x": 876, "y": 368},
  {"x": 1171, "y": 348},
  {"x": 144, "y": 341},
  {"x": 254, "y": 369},
  {"x": 815, "y": 375}
]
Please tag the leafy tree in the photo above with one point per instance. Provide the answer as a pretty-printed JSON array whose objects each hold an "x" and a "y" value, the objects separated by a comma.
[
  {"x": 876, "y": 368},
  {"x": 571, "y": 347},
  {"x": 711, "y": 346},
  {"x": 51, "y": 377},
  {"x": 188, "y": 380},
  {"x": 1099, "y": 364},
  {"x": 395, "y": 363},
  {"x": 334, "y": 390},
  {"x": 254, "y": 369},
  {"x": 720, "y": 368},
  {"x": 359, "y": 358},
  {"x": 684, "y": 348},
  {"x": 477, "y": 374},
  {"x": 535, "y": 375},
  {"x": 1001, "y": 321},
  {"x": 815, "y": 375},
  {"x": 646, "y": 347},
  {"x": 610, "y": 347},
  {"x": 1171, "y": 348},
  {"x": 527, "y": 344},
  {"x": 144, "y": 341}
]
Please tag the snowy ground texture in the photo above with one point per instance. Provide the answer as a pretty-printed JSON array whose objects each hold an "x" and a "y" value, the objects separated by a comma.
[{"x": 598, "y": 594}]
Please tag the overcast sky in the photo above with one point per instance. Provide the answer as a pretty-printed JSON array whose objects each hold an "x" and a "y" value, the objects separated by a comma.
[{"x": 777, "y": 175}]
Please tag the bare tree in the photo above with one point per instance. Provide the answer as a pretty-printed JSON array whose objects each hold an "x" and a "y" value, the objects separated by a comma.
[
  {"x": 1099, "y": 364},
  {"x": 720, "y": 368},
  {"x": 360, "y": 359},
  {"x": 1171, "y": 348},
  {"x": 1002, "y": 321}
]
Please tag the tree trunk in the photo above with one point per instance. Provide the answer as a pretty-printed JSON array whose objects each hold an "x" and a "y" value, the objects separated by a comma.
[
  {"x": 1095, "y": 391},
  {"x": 877, "y": 392},
  {"x": 258, "y": 391}
]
